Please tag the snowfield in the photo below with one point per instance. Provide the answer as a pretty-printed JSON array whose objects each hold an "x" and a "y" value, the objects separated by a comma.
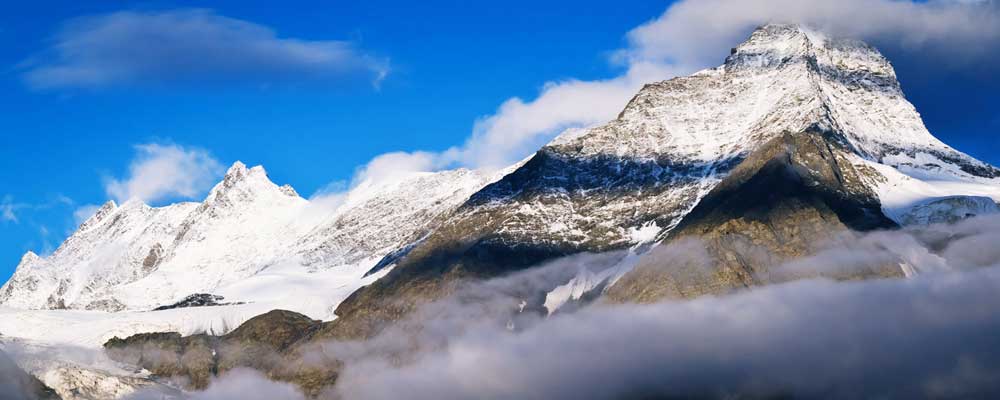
[{"x": 315, "y": 295}]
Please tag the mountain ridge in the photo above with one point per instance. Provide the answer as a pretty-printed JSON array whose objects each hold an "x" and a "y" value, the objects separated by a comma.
[{"x": 136, "y": 257}]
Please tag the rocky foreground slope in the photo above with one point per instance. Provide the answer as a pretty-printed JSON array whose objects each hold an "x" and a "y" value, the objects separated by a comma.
[{"x": 797, "y": 142}]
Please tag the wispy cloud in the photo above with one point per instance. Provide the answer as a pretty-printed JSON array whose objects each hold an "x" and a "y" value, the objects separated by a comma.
[
  {"x": 165, "y": 171},
  {"x": 191, "y": 46},
  {"x": 8, "y": 208}
]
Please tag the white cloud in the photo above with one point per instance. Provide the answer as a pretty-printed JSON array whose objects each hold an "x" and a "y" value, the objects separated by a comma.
[
  {"x": 191, "y": 46},
  {"x": 239, "y": 383},
  {"x": 161, "y": 172},
  {"x": 519, "y": 127},
  {"x": 391, "y": 166},
  {"x": 382, "y": 169},
  {"x": 247, "y": 384},
  {"x": 691, "y": 35},
  {"x": 696, "y": 33},
  {"x": 8, "y": 208}
]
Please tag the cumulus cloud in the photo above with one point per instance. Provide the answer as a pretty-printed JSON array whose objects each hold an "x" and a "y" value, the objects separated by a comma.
[
  {"x": 190, "y": 46},
  {"x": 163, "y": 171}
]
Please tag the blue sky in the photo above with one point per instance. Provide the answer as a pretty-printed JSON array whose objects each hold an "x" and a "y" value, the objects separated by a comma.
[{"x": 315, "y": 90}]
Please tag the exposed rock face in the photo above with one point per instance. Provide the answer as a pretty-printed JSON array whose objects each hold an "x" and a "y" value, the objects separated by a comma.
[
  {"x": 794, "y": 194},
  {"x": 261, "y": 343},
  {"x": 555, "y": 204},
  {"x": 196, "y": 300},
  {"x": 15, "y": 384}
]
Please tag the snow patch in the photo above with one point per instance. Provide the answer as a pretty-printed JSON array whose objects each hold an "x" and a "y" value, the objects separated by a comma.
[{"x": 645, "y": 233}]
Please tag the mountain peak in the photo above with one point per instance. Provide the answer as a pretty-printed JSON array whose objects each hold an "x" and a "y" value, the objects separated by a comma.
[
  {"x": 778, "y": 45},
  {"x": 105, "y": 210},
  {"x": 29, "y": 257},
  {"x": 242, "y": 184},
  {"x": 238, "y": 173},
  {"x": 238, "y": 169}
]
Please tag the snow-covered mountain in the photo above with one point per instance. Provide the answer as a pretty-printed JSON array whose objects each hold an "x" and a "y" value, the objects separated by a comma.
[
  {"x": 243, "y": 241},
  {"x": 636, "y": 178}
]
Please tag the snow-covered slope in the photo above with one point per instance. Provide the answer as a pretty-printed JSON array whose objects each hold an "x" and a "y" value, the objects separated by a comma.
[
  {"x": 249, "y": 240},
  {"x": 356, "y": 232},
  {"x": 784, "y": 78}
]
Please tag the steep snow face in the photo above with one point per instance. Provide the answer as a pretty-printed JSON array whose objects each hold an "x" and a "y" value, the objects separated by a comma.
[
  {"x": 931, "y": 191},
  {"x": 676, "y": 138},
  {"x": 377, "y": 218},
  {"x": 783, "y": 78},
  {"x": 247, "y": 231},
  {"x": 114, "y": 247}
]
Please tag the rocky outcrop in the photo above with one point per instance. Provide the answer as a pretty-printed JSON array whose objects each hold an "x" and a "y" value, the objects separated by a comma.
[
  {"x": 263, "y": 343},
  {"x": 196, "y": 300},
  {"x": 797, "y": 193}
]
